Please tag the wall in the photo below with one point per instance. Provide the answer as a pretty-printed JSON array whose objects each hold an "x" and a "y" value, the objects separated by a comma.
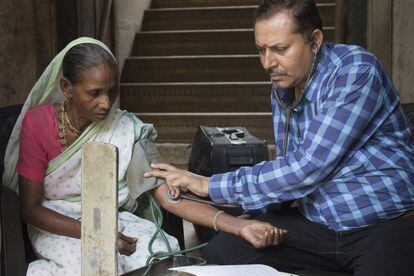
[
  {"x": 390, "y": 35},
  {"x": 29, "y": 40},
  {"x": 402, "y": 49},
  {"x": 17, "y": 51},
  {"x": 26, "y": 47},
  {"x": 129, "y": 14}
]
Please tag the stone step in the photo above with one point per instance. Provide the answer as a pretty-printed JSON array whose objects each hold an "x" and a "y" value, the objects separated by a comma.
[
  {"x": 196, "y": 97},
  {"x": 156, "y": 4},
  {"x": 181, "y": 127},
  {"x": 231, "y": 17},
  {"x": 178, "y": 154},
  {"x": 200, "y": 42},
  {"x": 198, "y": 57},
  {"x": 219, "y": 68},
  {"x": 194, "y": 42}
]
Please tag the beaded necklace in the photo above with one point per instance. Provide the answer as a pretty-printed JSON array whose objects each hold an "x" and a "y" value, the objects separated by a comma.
[{"x": 63, "y": 124}]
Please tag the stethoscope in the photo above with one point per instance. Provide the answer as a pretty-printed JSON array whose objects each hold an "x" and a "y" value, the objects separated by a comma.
[
  {"x": 288, "y": 109},
  {"x": 177, "y": 199}
]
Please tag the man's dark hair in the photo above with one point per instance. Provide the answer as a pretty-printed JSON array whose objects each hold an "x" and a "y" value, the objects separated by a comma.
[
  {"x": 305, "y": 15},
  {"x": 83, "y": 57}
]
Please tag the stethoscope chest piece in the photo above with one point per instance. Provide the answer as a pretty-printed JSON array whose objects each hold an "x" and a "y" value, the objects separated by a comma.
[{"x": 173, "y": 199}]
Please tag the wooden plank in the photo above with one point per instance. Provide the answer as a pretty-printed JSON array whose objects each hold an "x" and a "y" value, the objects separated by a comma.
[{"x": 99, "y": 209}]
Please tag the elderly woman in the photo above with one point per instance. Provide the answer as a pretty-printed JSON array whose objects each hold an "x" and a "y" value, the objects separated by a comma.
[{"x": 71, "y": 104}]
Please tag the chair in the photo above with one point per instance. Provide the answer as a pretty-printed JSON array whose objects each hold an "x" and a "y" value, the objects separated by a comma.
[{"x": 13, "y": 236}]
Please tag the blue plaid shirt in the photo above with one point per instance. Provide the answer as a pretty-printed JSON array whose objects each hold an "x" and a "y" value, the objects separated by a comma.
[{"x": 350, "y": 156}]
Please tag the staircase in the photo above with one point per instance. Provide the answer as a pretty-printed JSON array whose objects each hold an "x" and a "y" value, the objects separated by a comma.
[{"x": 195, "y": 62}]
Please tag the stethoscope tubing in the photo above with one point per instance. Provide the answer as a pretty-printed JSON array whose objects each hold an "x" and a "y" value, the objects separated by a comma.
[
  {"x": 177, "y": 199},
  {"x": 289, "y": 109}
]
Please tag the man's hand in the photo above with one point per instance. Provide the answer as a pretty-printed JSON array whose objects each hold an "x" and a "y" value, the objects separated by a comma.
[
  {"x": 178, "y": 180},
  {"x": 126, "y": 245},
  {"x": 262, "y": 234}
]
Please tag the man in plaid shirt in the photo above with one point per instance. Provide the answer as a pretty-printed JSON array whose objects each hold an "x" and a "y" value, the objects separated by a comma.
[{"x": 345, "y": 154}]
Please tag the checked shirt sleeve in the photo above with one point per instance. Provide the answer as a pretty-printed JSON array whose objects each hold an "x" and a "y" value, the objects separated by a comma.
[{"x": 344, "y": 115}]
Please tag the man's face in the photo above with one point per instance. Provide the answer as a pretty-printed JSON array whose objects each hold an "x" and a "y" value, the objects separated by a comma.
[{"x": 284, "y": 53}]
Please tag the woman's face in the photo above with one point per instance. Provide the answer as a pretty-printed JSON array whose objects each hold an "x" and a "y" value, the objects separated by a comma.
[{"x": 94, "y": 94}]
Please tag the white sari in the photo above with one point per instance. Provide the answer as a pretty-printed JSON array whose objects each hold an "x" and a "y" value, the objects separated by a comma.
[{"x": 60, "y": 255}]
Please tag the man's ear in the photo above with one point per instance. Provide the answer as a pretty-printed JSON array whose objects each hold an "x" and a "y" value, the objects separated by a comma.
[
  {"x": 66, "y": 87},
  {"x": 316, "y": 39}
]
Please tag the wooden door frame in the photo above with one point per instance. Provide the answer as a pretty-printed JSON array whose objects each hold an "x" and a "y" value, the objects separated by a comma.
[
  {"x": 45, "y": 33},
  {"x": 379, "y": 31}
]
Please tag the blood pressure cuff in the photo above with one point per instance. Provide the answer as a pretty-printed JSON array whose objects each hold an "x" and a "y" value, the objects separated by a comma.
[{"x": 144, "y": 154}]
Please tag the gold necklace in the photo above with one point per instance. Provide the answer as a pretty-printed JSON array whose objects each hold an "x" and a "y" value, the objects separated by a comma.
[
  {"x": 70, "y": 126},
  {"x": 67, "y": 122}
]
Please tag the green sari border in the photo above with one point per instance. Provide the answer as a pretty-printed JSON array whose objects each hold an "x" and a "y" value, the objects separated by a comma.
[{"x": 72, "y": 149}]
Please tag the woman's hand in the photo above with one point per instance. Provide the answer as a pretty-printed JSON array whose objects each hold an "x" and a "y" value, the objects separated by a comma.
[
  {"x": 126, "y": 245},
  {"x": 177, "y": 179},
  {"x": 262, "y": 234}
]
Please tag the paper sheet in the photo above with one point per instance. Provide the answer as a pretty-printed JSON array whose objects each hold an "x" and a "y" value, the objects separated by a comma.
[{"x": 231, "y": 270}]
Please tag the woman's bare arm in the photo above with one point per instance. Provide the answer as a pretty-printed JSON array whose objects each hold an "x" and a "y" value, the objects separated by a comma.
[
  {"x": 30, "y": 194},
  {"x": 259, "y": 234}
]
